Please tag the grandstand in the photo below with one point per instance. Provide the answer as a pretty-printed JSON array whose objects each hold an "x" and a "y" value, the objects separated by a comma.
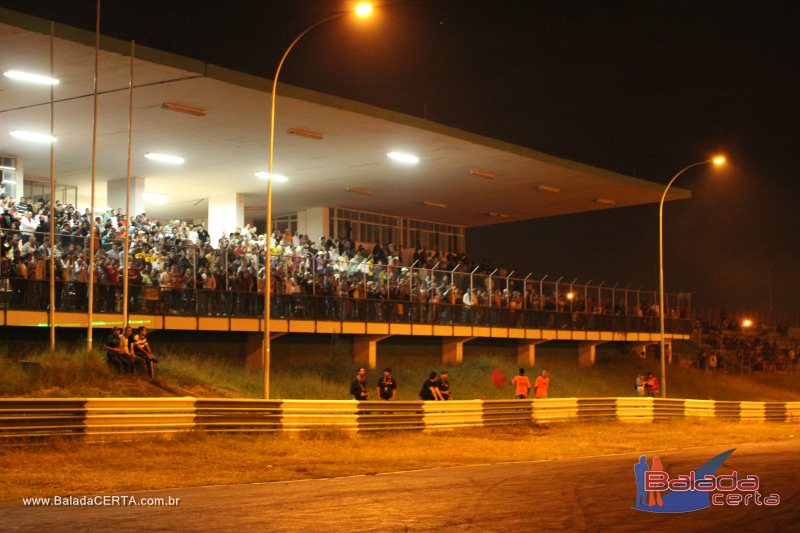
[{"x": 368, "y": 237}]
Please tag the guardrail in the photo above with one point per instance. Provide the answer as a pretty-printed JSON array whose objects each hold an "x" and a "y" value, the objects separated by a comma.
[{"x": 43, "y": 417}]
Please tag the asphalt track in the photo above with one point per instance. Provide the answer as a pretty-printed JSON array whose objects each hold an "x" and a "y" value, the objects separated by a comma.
[{"x": 588, "y": 494}]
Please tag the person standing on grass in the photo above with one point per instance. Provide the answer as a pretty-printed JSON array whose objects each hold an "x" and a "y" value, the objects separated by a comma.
[
  {"x": 358, "y": 389},
  {"x": 651, "y": 387},
  {"x": 542, "y": 384},
  {"x": 387, "y": 386},
  {"x": 444, "y": 385},
  {"x": 144, "y": 355},
  {"x": 429, "y": 390},
  {"x": 523, "y": 385}
]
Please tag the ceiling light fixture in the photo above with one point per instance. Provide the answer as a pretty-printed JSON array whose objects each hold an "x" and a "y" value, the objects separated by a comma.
[
  {"x": 358, "y": 190},
  {"x": 30, "y": 77},
  {"x": 487, "y": 175},
  {"x": 33, "y": 137},
  {"x": 154, "y": 198},
  {"x": 401, "y": 157},
  {"x": 306, "y": 133},
  {"x": 606, "y": 201},
  {"x": 276, "y": 178},
  {"x": 172, "y": 106},
  {"x": 547, "y": 188},
  {"x": 164, "y": 158},
  {"x": 435, "y": 204}
]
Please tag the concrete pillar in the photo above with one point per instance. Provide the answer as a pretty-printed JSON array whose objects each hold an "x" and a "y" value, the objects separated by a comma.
[
  {"x": 225, "y": 214},
  {"x": 13, "y": 176},
  {"x": 365, "y": 349},
  {"x": 314, "y": 222},
  {"x": 640, "y": 348},
  {"x": 116, "y": 191},
  {"x": 587, "y": 353},
  {"x": 255, "y": 347},
  {"x": 453, "y": 349},
  {"x": 526, "y": 352}
]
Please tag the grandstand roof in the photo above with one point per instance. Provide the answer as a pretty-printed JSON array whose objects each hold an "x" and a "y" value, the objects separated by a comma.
[{"x": 225, "y": 147}]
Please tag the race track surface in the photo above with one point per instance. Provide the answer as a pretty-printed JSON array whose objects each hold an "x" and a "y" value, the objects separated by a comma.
[{"x": 587, "y": 494}]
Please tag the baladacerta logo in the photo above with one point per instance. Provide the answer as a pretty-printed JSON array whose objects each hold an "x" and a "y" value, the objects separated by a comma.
[{"x": 657, "y": 492}]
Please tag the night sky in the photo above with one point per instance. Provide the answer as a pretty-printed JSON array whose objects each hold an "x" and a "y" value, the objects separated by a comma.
[{"x": 639, "y": 87}]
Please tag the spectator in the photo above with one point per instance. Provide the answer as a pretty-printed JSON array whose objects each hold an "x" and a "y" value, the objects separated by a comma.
[
  {"x": 523, "y": 385},
  {"x": 444, "y": 385},
  {"x": 387, "y": 386},
  {"x": 651, "y": 387},
  {"x": 116, "y": 354},
  {"x": 358, "y": 389},
  {"x": 144, "y": 356},
  {"x": 430, "y": 390},
  {"x": 542, "y": 384}
]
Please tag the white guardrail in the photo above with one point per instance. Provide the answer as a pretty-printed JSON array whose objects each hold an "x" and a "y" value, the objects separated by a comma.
[{"x": 42, "y": 417}]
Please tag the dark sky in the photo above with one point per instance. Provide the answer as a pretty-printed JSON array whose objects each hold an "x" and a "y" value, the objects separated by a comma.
[{"x": 639, "y": 87}]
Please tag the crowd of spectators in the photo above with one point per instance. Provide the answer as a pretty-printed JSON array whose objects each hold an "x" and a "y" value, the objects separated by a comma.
[
  {"x": 727, "y": 345},
  {"x": 177, "y": 267}
]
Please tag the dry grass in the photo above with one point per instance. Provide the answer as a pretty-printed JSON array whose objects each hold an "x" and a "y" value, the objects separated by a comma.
[{"x": 69, "y": 467}]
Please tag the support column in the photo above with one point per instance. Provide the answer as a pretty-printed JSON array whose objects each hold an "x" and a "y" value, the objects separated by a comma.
[
  {"x": 116, "y": 191},
  {"x": 255, "y": 347},
  {"x": 526, "y": 352},
  {"x": 225, "y": 214},
  {"x": 314, "y": 222},
  {"x": 453, "y": 349},
  {"x": 365, "y": 349},
  {"x": 587, "y": 353}
]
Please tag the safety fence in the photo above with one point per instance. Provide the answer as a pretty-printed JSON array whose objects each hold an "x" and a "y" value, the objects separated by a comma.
[{"x": 43, "y": 417}]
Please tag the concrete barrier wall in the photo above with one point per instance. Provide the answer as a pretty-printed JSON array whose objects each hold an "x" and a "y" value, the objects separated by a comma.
[{"x": 41, "y": 417}]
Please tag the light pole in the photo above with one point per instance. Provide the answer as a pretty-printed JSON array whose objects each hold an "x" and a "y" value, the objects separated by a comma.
[
  {"x": 718, "y": 160},
  {"x": 362, "y": 10}
]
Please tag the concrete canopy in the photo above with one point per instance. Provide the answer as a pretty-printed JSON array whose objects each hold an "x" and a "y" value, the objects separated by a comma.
[{"x": 224, "y": 148}]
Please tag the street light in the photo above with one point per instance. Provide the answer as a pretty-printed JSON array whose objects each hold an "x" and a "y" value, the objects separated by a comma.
[
  {"x": 362, "y": 10},
  {"x": 717, "y": 160}
]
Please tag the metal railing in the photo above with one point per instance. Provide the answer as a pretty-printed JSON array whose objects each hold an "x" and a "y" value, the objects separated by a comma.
[
  {"x": 43, "y": 417},
  {"x": 321, "y": 286}
]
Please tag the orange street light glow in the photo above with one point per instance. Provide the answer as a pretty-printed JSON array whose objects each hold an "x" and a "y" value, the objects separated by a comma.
[
  {"x": 570, "y": 295},
  {"x": 719, "y": 160},
  {"x": 747, "y": 323},
  {"x": 364, "y": 9}
]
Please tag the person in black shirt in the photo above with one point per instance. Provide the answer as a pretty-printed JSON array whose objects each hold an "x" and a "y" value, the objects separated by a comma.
[
  {"x": 429, "y": 389},
  {"x": 358, "y": 389},
  {"x": 444, "y": 385},
  {"x": 387, "y": 386}
]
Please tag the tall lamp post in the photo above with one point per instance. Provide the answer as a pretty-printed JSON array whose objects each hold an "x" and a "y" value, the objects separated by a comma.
[
  {"x": 718, "y": 160},
  {"x": 362, "y": 10}
]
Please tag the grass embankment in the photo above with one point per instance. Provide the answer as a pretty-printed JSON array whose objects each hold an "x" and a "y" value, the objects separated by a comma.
[
  {"x": 328, "y": 377},
  {"x": 59, "y": 467}
]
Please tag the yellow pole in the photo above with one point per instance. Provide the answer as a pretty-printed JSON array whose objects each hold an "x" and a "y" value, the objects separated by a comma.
[
  {"x": 265, "y": 355},
  {"x": 52, "y": 307},
  {"x": 128, "y": 218},
  {"x": 90, "y": 313}
]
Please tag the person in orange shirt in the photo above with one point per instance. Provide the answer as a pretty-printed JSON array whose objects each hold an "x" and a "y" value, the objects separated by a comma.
[
  {"x": 523, "y": 385},
  {"x": 542, "y": 384}
]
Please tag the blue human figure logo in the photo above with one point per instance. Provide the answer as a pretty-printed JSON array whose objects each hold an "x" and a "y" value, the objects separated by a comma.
[{"x": 640, "y": 469}]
